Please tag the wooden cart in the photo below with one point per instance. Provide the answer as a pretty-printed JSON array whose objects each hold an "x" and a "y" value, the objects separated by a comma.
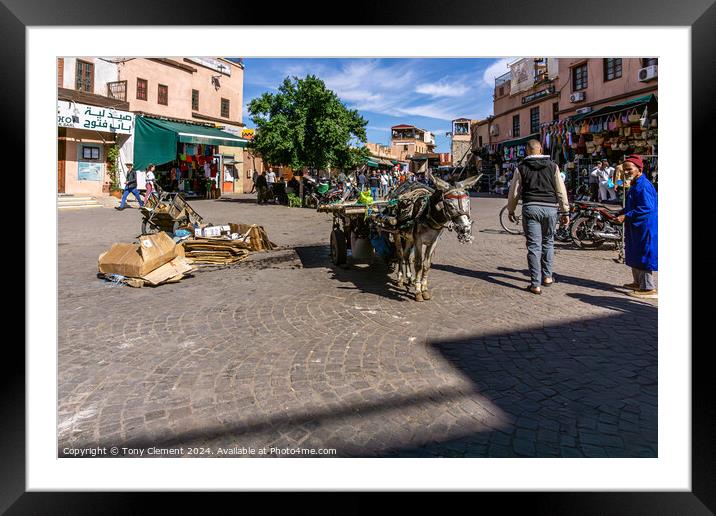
[{"x": 168, "y": 212}]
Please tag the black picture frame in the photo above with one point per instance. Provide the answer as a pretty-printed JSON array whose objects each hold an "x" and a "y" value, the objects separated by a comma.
[{"x": 699, "y": 15}]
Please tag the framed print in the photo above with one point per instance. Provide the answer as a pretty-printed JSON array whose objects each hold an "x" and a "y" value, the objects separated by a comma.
[{"x": 417, "y": 252}]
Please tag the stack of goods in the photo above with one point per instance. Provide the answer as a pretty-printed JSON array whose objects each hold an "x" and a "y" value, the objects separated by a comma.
[
  {"x": 407, "y": 203},
  {"x": 226, "y": 244}
]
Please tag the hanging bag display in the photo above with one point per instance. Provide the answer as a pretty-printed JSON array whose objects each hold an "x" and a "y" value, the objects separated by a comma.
[
  {"x": 634, "y": 116},
  {"x": 612, "y": 123}
]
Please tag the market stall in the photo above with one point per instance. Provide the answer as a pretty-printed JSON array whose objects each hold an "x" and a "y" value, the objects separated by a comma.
[{"x": 186, "y": 155}]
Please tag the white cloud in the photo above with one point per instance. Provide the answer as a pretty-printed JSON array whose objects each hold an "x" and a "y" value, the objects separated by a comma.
[{"x": 442, "y": 89}]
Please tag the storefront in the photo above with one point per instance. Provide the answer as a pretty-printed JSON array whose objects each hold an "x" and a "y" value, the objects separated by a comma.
[
  {"x": 87, "y": 136},
  {"x": 611, "y": 132},
  {"x": 186, "y": 156}
]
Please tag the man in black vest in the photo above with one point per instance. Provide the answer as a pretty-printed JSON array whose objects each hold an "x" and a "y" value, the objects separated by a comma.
[{"x": 538, "y": 184}]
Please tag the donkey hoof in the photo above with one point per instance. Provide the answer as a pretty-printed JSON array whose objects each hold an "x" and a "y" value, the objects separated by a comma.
[
  {"x": 419, "y": 296},
  {"x": 426, "y": 295},
  {"x": 400, "y": 284}
]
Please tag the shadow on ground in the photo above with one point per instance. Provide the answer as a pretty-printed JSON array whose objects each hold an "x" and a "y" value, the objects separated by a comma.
[{"x": 586, "y": 388}]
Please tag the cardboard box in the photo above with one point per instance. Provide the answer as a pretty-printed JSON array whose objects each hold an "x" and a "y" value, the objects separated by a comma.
[{"x": 137, "y": 260}]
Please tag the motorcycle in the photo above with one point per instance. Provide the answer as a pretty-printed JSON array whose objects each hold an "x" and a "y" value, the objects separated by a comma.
[
  {"x": 324, "y": 192},
  {"x": 596, "y": 224}
]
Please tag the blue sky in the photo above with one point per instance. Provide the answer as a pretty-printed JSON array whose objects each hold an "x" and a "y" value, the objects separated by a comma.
[{"x": 428, "y": 93}]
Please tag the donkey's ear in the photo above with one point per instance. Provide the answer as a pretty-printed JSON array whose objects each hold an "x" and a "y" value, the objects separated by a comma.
[
  {"x": 467, "y": 183},
  {"x": 442, "y": 185}
]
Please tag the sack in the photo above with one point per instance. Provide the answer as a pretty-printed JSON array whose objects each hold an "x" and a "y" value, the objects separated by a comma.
[
  {"x": 599, "y": 140},
  {"x": 584, "y": 129},
  {"x": 623, "y": 146},
  {"x": 634, "y": 116},
  {"x": 653, "y": 123},
  {"x": 610, "y": 184},
  {"x": 627, "y": 131},
  {"x": 615, "y": 146},
  {"x": 612, "y": 123}
]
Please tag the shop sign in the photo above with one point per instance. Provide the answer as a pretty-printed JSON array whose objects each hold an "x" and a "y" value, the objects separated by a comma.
[
  {"x": 538, "y": 95},
  {"x": 248, "y": 134},
  {"x": 88, "y": 171},
  {"x": 82, "y": 116},
  {"x": 212, "y": 63}
]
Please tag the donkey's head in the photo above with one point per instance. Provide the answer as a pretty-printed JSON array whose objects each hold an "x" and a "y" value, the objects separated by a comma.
[{"x": 455, "y": 204}]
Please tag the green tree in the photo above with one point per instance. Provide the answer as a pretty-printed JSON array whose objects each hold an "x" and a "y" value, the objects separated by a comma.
[{"x": 306, "y": 125}]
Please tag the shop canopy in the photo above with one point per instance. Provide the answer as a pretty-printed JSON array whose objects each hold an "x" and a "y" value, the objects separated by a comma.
[
  {"x": 371, "y": 163},
  {"x": 520, "y": 141},
  {"x": 155, "y": 141},
  {"x": 647, "y": 100}
]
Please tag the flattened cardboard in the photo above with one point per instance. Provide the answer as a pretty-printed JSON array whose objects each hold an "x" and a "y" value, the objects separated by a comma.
[{"x": 172, "y": 270}]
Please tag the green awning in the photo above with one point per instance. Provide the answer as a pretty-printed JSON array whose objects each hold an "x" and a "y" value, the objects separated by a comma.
[
  {"x": 645, "y": 100},
  {"x": 155, "y": 141},
  {"x": 520, "y": 141},
  {"x": 371, "y": 163}
]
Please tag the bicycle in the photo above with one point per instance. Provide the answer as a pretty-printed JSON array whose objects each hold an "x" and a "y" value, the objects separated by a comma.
[{"x": 513, "y": 228}]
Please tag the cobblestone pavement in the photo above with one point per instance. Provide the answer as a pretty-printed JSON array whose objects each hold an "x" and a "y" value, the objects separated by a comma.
[{"x": 247, "y": 358}]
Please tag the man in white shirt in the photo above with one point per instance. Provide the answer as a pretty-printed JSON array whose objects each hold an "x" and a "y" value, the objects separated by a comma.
[
  {"x": 594, "y": 182},
  {"x": 271, "y": 177},
  {"x": 612, "y": 194}
]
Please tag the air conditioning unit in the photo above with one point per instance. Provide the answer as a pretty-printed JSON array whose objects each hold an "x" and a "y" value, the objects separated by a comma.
[
  {"x": 494, "y": 130},
  {"x": 583, "y": 110},
  {"x": 577, "y": 96},
  {"x": 647, "y": 74}
]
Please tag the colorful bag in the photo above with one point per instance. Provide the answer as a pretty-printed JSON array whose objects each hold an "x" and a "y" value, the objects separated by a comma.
[{"x": 634, "y": 116}]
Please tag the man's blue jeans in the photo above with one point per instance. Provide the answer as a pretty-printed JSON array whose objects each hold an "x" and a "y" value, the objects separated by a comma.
[
  {"x": 126, "y": 194},
  {"x": 539, "y": 223},
  {"x": 374, "y": 192}
]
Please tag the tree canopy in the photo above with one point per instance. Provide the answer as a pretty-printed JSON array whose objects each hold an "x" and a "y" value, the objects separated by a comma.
[{"x": 306, "y": 125}]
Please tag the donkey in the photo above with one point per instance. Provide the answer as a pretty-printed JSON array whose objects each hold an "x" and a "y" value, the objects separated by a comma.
[{"x": 448, "y": 207}]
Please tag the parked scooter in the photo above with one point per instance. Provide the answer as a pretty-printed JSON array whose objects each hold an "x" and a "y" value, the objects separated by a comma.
[{"x": 595, "y": 225}]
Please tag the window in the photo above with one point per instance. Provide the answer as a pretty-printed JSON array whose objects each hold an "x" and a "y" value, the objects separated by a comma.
[
  {"x": 555, "y": 111},
  {"x": 649, "y": 61},
  {"x": 225, "y": 108},
  {"x": 90, "y": 152},
  {"x": 500, "y": 91},
  {"x": 405, "y": 147},
  {"x": 163, "y": 95},
  {"x": 534, "y": 120},
  {"x": 195, "y": 100},
  {"x": 579, "y": 77},
  {"x": 84, "y": 76},
  {"x": 516, "y": 125},
  {"x": 141, "y": 89},
  {"x": 117, "y": 90},
  {"x": 612, "y": 69}
]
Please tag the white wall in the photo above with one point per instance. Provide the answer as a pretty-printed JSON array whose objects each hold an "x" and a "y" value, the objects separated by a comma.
[{"x": 104, "y": 72}]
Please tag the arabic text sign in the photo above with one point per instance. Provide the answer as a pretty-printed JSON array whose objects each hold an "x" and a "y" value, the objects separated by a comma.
[{"x": 82, "y": 116}]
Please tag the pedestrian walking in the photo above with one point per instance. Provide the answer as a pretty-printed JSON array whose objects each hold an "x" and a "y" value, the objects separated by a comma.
[
  {"x": 262, "y": 188},
  {"x": 361, "y": 180},
  {"x": 374, "y": 184},
  {"x": 384, "y": 184},
  {"x": 150, "y": 182},
  {"x": 537, "y": 183},
  {"x": 254, "y": 177},
  {"x": 641, "y": 229},
  {"x": 594, "y": 182},
  {"x": 130, "y": 186}
]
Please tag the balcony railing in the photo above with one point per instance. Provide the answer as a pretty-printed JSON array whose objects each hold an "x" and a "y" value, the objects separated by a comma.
[
  {"x": 502, "y": 79},
  {"x": 117, "y": 90}
]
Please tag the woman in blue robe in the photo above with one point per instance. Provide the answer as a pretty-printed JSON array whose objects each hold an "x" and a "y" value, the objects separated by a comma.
[{"x": 641, "y": 225}]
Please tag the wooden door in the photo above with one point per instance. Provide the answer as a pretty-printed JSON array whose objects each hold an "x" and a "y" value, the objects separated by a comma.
[{"x": 61, "y": 155}]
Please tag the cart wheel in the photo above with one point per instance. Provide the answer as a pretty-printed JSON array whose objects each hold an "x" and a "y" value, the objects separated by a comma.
[
  {"x": 148, "y": 229},
  {"x": 339, "y": 256}
]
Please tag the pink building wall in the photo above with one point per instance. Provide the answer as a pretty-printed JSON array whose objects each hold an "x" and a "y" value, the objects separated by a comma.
[
  {"x": 181, "y": 80},
  {"x": 600, "y": 92}
]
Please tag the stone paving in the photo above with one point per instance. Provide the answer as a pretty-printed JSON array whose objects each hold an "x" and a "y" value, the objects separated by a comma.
[{"x": 286, "y": 360}]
